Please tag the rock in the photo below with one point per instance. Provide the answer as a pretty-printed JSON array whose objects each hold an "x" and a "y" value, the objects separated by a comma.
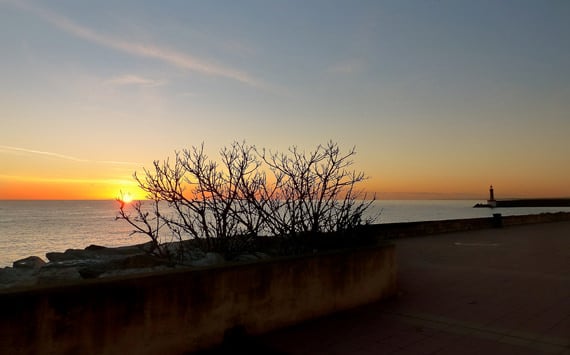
[
  {"x": 83, "y": 268},
  {"x": 69, "y": 254},
  {"x": 31, "y": 262},
  {"x": 191, "y": 256},
  {"x": 92, "y": 272},
  {"x": 139, "y": 261},
  {"x": 182, "y": 253},
  {"x": 208, "y": 260},
  {"x": 95, "y": 247},
  {"x": 185, "y": 251},
  {"x": 10, "y": 277},
  {"x": 98, "y": 261},
  {"x": 56, "y": 275},
  {"x": 96, "y": 269},
  {"x": 77, "y": 263},
  {"x": 95, "y": 252},
  {"x": 138, "y": 249}
]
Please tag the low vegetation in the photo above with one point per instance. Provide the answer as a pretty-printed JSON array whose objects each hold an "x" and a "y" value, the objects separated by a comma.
[{"x": 246, "y": 198}]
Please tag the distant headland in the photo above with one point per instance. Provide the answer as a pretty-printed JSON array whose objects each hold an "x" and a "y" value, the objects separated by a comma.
[{"x": 526, "y": 202}]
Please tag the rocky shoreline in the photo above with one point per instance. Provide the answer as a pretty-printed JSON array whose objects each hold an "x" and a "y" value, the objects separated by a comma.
[{"x": 100, "y": 262}]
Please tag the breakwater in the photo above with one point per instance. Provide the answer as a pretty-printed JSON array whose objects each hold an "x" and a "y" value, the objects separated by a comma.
[
  {"x": 545, "y": 202},
  {"x": 537, "y": 202},
  {"x": 413, "y": 229}
]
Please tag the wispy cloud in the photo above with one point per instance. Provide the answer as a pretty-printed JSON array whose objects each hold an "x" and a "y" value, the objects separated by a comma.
[
  {"x": 10, "y": 149},
  {"x": 346, "y": 67},
  {"x": 129, "y": 79},
  {"x": 114, "y": 162},
  {"x": 240, "y": 48},
  {"x": 168, "y": 56},
  {"x": 187, "y": 94}
]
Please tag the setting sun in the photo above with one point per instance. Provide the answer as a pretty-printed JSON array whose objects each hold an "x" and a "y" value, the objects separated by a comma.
[{"x": 126, "y": 198}]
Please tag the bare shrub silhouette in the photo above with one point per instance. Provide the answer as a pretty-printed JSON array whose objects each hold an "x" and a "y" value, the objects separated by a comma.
[{"x": 226, "y": 205}]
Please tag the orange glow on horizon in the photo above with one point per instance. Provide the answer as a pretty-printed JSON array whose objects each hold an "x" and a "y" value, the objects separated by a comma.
[
  {"x": 49, "y": 190},
  {"x": 387, "y": 188}
]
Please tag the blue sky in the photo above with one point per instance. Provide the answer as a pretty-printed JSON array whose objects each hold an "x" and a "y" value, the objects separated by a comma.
[{"x": 441, "y": 98}]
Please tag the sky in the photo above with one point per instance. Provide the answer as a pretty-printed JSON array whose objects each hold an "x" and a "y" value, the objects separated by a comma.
[{"x": 441, "y": 98}]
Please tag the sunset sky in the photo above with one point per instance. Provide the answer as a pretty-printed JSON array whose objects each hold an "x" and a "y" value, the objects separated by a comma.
[{"x": 441, "y": 98}]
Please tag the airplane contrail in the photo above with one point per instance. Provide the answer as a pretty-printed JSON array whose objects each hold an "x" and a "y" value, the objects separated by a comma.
[
  {"x": 39, "y": 152},
  {"x": 63, "y": 156}
]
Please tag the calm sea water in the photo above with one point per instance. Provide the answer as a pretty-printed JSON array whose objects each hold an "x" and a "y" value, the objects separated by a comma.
[{"x": 37, "y": 227}]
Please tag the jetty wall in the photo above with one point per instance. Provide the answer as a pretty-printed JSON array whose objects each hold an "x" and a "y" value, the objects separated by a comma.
[
  {"x": 544, "y": 202},
  {"x": 413, "y": 229}
]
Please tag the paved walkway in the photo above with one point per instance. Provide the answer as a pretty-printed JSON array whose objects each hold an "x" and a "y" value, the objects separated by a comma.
[{"x": 499, "y": 291}]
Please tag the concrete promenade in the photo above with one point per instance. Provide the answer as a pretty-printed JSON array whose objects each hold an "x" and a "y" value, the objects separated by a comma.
[{"x": 494, "y": 291}]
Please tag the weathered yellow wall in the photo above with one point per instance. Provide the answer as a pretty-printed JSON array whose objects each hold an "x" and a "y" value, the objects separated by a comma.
[{"x": 179, "y": 311}]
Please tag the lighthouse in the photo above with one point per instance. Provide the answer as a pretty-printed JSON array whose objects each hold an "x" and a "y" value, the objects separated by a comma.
[{"x": 491, "y": 201}]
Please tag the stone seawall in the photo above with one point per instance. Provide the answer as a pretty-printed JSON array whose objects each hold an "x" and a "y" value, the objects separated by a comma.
[
  {"x": 412, "y": 229},
  {"x": 179, "y": 311}
]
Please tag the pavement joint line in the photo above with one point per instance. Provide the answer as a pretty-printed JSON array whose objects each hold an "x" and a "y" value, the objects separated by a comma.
[{"x": 473, "y": 328}]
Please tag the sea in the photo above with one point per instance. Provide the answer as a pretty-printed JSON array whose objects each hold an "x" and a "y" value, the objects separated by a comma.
[{"x": 37, "y": 227}]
